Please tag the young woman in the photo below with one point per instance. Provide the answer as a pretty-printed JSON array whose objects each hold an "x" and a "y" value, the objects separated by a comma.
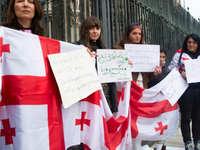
[
  {"x": 189, "y": 102},
  {"x": 135, "y": 35},
  {"x": 91, "y": 37},
  {"x": 25, "y": 15}
]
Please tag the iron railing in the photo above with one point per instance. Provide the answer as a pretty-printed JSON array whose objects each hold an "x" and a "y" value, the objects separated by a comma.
[{"x": 164, "y": 22}]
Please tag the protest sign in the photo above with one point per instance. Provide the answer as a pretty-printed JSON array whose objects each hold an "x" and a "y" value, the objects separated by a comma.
[
  {"x": 75, "y": 75},
  {"x": 113, "y": 66},
  {"x": 145, "y": 58},
  {"x": 192, "y": 68},
  {"x": 174, "y": 87}
]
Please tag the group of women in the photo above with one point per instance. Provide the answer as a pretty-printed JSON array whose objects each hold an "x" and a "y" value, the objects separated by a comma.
[{"x": 25, "y": 15}]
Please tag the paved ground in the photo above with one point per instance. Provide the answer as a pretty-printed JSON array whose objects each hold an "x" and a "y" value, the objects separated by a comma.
[{"x": 175, "y": 143}]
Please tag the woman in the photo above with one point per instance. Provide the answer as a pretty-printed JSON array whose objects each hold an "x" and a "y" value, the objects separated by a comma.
[
  {"x": 25, "y": 15},
  {"x": 134, "y": 35},
  {"x": 189, "y": 102},
  {"x": 91, "y": 37}
]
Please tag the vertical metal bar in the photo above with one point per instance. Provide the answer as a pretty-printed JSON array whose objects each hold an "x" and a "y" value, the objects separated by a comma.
[
  {"x": 81, "y": 14},
  {"x": 4, "y": 11},
  {"x": 112, "y": 23},
  {"x": 58, "y": 37},
  {"x": 0, "y": 14},
  {"x": 87, "y": 10},
  {"x": 145, "y": 21},
  {"x": 52, "y": 18},
  {"x": 116, "y": 25},
  {"x": 42, "y": 4},
  {"x": 63, "y": 24},
  {"x": 108, "y": 23},
  {"x": 119, "y": 20},
  {"x": 75, "y": 20},
  {"x": 126, "y": 13},
  {"x": 47, "y": 6},
  {"x": 69, "y": 21},
  {"x": 96, "y": 5},
  {"x": 122, "y": 15},
  {"x": 133, "y": 14},
  {"x": 104, "y": 21},
  {"x": 139, "y": 13},
  {"x": 129, "y": 13},
  {"x": 136, "y": 17}
]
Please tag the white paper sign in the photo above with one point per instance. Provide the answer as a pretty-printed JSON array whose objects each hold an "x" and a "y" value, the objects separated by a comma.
[
  {"x": 145, "y": 58},
  {"x": 113, "y": 66},
  {"x": 174, "y": 87},
  {"x": 75, "y": 75},
  {"x": 192, "y": 68}
]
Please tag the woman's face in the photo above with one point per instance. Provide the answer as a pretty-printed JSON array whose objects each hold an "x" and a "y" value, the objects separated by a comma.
[
  {"x": 135, "y": 36},
  {"x": 94, "y": 33},
  {"x": 24, "y": 10},
  {"x": 192, "y": 45},
  {"x": 162, "y": 57}
]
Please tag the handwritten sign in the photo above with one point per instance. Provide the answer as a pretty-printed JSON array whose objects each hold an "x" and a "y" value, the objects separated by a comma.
[
  {"x": 113, "y": 66},
  {"x": 75, "y": 75},
  {"x": 174, "y": 87},
  {"x": 192, "y": 69},
  {"x": 145, "y": 58}
]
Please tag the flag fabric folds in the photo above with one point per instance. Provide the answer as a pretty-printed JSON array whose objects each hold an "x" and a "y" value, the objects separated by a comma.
[{"x": 32, "y": 116}]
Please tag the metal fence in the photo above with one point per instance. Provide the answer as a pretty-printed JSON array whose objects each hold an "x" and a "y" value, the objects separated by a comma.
[{"x": 164, "y": 22}]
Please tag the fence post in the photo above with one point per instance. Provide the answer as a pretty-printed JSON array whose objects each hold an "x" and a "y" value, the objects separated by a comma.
[{"x": 104, "y": 21}]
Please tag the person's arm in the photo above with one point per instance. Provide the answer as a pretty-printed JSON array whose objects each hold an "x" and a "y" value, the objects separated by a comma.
[{"x": 174, "y": 62}]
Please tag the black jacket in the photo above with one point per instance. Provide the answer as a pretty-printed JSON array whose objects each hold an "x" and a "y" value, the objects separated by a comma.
[{"x": 159, "y": 78}]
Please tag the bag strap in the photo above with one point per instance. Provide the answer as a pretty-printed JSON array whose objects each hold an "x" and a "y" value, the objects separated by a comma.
[{"x": 179, "y": 61}]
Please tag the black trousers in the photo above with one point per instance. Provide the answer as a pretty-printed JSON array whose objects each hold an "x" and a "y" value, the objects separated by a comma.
[{"x": 189, "y": 104}]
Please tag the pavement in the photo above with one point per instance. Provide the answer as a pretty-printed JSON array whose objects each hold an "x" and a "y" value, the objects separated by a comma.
[{"x": 174, "y": 143}]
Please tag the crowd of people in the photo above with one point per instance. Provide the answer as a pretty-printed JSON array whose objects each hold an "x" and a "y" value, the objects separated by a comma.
[{"x": 25, "y": 15}]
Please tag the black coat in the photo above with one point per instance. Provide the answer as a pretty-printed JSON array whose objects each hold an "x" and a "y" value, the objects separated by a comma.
[{"x": 159, "y": 78}]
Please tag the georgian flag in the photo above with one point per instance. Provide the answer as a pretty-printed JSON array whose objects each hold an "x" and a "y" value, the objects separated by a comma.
[
  {"x": 93, "y": 124},
  {"x": 31, "y": 115},
  {"x": 153, "y": 117}
]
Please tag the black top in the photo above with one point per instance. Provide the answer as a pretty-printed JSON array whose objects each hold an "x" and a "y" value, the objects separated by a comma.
[{"x": 159, "y": 78}]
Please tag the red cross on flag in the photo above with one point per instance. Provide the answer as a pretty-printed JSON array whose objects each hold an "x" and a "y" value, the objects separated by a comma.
[
  {"x": 152, "y": 116},
  {"x": 93, "y": 124}
]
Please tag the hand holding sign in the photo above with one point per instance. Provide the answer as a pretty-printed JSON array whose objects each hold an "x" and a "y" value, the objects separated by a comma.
[
  {"x": 192, "y": 68},
  {"x": 75, "y": 75},
  {"x": 113, "y": 66},
  {"x": 145, "y": 58}
]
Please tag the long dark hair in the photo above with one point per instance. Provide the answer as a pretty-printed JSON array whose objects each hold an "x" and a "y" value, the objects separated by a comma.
[
  {"x": 35, "y": 25},
  {"x": 87, "y": 24},
  {"x": 125, "y": 38},
  {"x": 195, "y": 37}
]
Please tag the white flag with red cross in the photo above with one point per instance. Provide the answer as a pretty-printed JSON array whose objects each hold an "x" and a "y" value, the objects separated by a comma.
[
  {"x": 93, "y": 124},
  {"x": 152, "y": 116},
  {"x": 31, "y": 115}
]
